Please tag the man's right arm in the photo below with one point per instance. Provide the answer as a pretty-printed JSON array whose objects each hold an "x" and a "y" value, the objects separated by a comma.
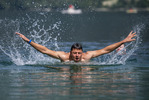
[
  {"x": 40, "y": 48},
  {"x": 112, "y": 47}
]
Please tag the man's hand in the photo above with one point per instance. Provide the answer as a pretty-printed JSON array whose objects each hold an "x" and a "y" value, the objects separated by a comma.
[
  {"x": 129, "y": 38},
  {"x": 23, "y": 37}
]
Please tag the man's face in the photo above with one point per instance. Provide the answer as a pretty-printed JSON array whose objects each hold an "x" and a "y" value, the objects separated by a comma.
[{"x": 76, "y": 55}]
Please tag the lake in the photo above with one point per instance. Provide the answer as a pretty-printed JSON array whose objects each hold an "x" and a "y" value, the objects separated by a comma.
[{"x": 26, "y": 74}]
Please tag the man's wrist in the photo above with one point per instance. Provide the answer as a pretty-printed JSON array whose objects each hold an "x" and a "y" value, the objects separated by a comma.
[
  {"x": 29, "y": 41},
  {"x": 123, "y": 41}
]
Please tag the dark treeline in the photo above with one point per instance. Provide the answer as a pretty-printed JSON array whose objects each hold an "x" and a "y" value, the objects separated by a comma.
[{"x": 60, "y": 4}]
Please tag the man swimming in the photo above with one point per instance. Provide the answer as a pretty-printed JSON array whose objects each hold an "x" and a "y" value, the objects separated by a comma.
[{"x": 76, "y": 53}]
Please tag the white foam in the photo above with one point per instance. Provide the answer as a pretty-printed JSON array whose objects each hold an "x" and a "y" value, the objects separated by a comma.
[
  {"x": 117, "y": 58},
  {"x": 22, "y": 53}
]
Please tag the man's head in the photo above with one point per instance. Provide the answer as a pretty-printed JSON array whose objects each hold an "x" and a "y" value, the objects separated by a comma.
[{"x": 76, "y": 52}]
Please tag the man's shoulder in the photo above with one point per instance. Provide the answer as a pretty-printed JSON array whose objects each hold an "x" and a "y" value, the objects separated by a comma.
[
  {"x": 63, "y": 55},
  {"x": 88, "y": 54}
]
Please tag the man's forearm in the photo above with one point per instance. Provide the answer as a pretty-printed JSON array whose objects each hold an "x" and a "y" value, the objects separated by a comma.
[
  {"x": 35, "y": 45},
  {"x": 129, "y": 38},
  {"x": 38, "y": 47},
  {"x": 112, "y": 47}
]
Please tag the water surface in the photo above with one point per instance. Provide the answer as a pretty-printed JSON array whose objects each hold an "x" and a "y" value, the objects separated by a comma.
[{"x": 29, "y": 75}]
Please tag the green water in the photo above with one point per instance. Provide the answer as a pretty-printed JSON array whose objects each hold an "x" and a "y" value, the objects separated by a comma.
[
  {"x": 26, "y": 74},
  {"x": 74, "y": 82}
]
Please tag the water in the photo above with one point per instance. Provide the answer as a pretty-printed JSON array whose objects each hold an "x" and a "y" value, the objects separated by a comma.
[{"x": 27, "y": 74}]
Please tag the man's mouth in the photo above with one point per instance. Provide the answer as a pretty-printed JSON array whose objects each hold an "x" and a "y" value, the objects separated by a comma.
[{"x": 77, "y": 59}]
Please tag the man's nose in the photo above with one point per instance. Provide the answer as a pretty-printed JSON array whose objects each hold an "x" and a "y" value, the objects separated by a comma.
[{"x": 77, "y": 54}]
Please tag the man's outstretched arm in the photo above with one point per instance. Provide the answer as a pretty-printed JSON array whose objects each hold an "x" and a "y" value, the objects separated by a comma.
[
  {"x": 112, "y": 47},
  {"x": 39, "y": 47}
]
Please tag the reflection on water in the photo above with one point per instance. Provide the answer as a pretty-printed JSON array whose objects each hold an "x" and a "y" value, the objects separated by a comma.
[{"x": 64, "y": 82}]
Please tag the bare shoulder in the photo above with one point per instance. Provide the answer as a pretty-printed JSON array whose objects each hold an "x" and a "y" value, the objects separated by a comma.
[
  {"x": 63, "y": 56},
  {"x": 92, "y": 54},
  {"x": 88, "y": 55},
  {"x": 62, "y": 53}
]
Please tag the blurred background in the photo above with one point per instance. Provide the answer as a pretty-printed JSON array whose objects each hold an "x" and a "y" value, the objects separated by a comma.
[
  {"x": 97, "y": 5},
  {"x": 57, "y": 24},
  {"x": 80, "y": 17}
]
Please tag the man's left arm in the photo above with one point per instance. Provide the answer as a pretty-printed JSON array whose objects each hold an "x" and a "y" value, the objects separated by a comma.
[{"x": 112, "y": 47}]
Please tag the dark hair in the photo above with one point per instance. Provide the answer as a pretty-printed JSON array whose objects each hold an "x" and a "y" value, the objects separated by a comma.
[{"x": 76, "y": 46}]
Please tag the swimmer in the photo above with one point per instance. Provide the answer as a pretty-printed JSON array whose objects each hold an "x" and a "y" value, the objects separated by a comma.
[{"x": 76, "y": 53}]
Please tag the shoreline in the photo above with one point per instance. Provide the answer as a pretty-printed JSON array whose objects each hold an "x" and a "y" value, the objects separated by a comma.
[{"x": 127, "y": 10}]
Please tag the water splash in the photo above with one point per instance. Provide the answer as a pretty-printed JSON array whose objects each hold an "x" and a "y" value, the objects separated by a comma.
[
  {"x": 118, "y": 57},
  {"x": 22, "y": 53},
  {"x": 34, "y": 28}
]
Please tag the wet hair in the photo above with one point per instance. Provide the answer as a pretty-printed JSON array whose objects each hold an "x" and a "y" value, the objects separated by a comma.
[{"x": 76, "y": 46}]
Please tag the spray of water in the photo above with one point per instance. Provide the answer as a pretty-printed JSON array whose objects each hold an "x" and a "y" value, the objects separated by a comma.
[
  {"x": 22, "y": 53},
  {"x": 121, "y": 57}
]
